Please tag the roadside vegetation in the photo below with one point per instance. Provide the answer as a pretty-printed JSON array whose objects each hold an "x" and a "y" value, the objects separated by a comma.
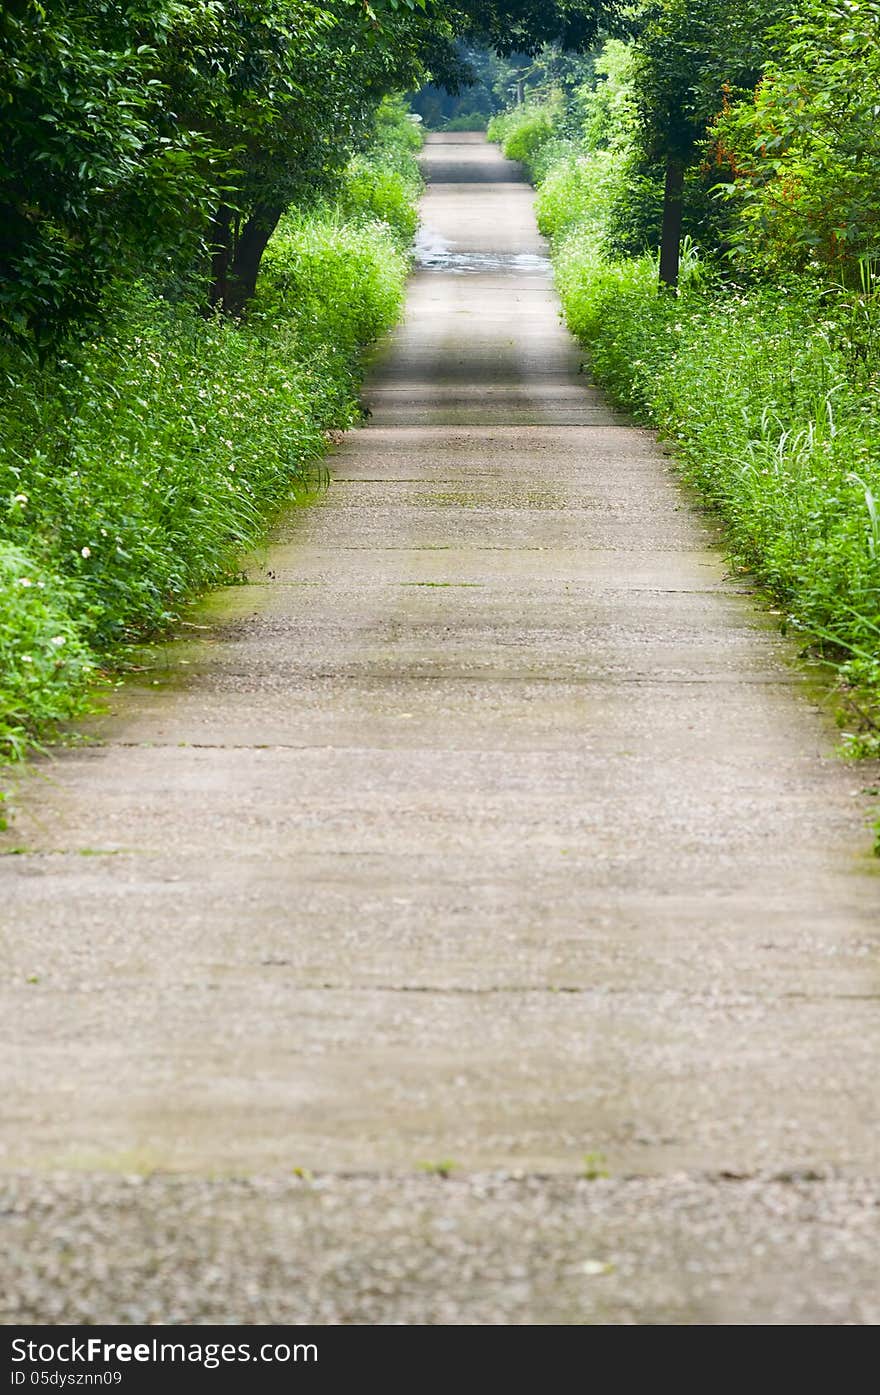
[
  {"x": 759, "y": 354},
  {"x": 206, "y": 210},
  {"x": 139, "y": 463}
]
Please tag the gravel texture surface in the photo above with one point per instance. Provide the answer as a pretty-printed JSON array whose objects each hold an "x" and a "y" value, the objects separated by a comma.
[{"x": 483, "y": 1249}]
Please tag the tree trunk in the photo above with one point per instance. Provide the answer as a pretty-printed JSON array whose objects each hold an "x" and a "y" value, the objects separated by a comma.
[
  {"x": 237, "y": 253},
  {"x": 221, "y": 243},
  {"x": 670, "y": 236}
]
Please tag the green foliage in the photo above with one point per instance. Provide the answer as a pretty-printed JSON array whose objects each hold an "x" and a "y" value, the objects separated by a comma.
[
  {"x": 166, "y": 138},
  {"x": 527, "y": 26},
  {"x": 524, "y": 130},
  {"x": 137, "y": 138},
  {"x": 687, "y": 58},
  {"x": 575, "y": 193},
  {"x": 382, "y": 184},
  {"x": 521, "y": 130},
  {"x": 44, "y": 664},
  {"x": 395, "y": 139},
  {"x": 606, "y": 104},
  {"x": 595, "y": 1167},
  {"x": 96, "y": 175},
  {"x": 805, "y": 148},
  {"x": 600, "y": 175},
  {"x": 339, "y": 284},
  {"x": 467, "y": 121},
  {"x": 380, "y": 196},
  {"x": 147, "y": 456},
  {"x": 444, "y": 1167},
  {"x": 599, "y": 179},
  {"x": 634, "y": 211}
]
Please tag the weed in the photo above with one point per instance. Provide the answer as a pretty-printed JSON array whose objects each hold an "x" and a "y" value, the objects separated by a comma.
[
  {"x": 595, "y": 1166},
  {"x": 444, "y": 1168}
]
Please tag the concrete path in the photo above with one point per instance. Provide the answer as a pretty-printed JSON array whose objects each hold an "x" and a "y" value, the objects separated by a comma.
[{"x": 491, "y": 825}]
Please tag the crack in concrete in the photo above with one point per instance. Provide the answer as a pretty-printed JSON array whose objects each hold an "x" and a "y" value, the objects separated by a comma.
[
  {"x": 393, "y": 676},
  {"x": 456, "y": 1176},
  {"x": 734, "y": 999}
]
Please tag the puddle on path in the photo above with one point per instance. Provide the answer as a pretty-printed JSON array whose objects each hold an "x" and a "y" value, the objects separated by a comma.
[{"x": 434, "y": 253}]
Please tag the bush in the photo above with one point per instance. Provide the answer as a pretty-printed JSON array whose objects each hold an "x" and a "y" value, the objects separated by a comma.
[
  {"x": 340, "y": 284},
  {"x": 383, "y": 184},
  {"x": 574, "y": 193},
  {"x": 377, "y": 195},
  {"x": 148, "y": 456},
  {"x": 803, "y": 150},
  {"x": 634, "y": 211},
  {"x": 769, "y": 391},
  {"x": 522, "y": 131}
]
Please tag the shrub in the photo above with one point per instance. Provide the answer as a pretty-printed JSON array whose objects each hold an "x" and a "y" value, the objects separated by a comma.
[
  {"x": 769, "y": 391},
  {"x": 148, "y": 455},
  {"x": 340, "y": 284},
  {"x": 574, "y": 193},
  {"x": 378, "y": 195},
  {"x": 522, "y": 131},
  {"x": 802, "y": 150}
]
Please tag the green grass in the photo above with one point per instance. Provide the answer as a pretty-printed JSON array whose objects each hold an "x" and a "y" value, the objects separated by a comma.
[
  {"x": 574, "y": 193},
  {"x": 136, "y": 469},
  {"x": 467, "y": 121}
]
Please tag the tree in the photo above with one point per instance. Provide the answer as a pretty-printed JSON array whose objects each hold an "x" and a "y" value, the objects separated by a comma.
[
  {"x": 688, "y": 62},
  {"x": 141, "y": 134},
  {"x": 526, "y": 26},
  {"x": 299, "y": 87},
  {"x": 96, "y": 174},
  {"x": 804, "y": 148},
  {"x": 134, "y": 133}
]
